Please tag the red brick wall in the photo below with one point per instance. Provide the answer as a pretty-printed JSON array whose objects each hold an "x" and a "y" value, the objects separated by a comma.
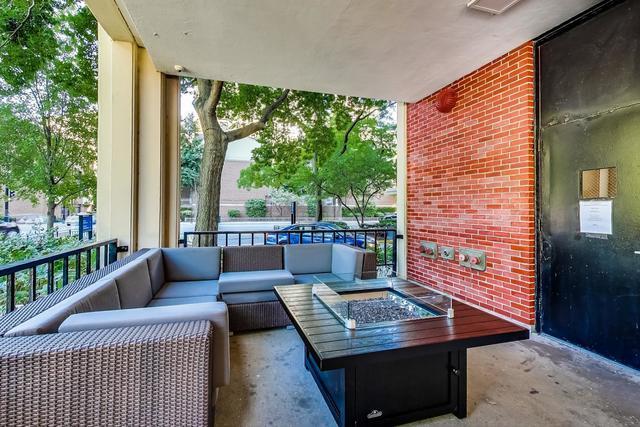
[{"x": 470, "y": 180}]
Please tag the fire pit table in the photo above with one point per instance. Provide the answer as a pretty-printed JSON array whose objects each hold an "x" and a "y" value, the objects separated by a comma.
[{"x": 389, "y": 351}]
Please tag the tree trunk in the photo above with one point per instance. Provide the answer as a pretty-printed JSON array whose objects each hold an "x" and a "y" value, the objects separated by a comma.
[
  {"x": 51, "y": 213},
  {"x": 208, "y": 213},
  {"x": 216, "y": 141},
  {"x": 318, "y": 206}
]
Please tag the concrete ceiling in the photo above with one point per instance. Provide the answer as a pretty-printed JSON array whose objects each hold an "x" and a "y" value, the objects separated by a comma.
[{"x": 391, "y": 49}]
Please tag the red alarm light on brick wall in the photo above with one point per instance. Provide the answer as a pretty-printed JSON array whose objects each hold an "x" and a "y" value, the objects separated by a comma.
[{"x": 446, "y": 100}]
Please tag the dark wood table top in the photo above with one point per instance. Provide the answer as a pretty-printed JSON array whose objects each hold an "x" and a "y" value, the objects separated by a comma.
[{"x": 334, "y": 346}]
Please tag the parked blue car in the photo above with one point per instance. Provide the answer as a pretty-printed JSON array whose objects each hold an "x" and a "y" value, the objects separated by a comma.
[{"x": 318, "y": 232}]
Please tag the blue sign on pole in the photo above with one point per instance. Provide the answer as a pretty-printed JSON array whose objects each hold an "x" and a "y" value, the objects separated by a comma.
[{"x": 85, "y": 226}]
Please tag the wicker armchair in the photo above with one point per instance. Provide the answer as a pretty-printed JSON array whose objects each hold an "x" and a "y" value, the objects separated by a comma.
[{"x": 152, "y": 375}]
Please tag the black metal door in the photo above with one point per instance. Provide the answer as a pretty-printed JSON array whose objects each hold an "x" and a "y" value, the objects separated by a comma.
[{"x": 589, "y": 151}]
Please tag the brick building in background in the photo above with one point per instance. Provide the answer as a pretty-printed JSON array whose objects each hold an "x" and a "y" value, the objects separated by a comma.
[
  {"x": 232, "y": 197},
  {"x": 471, "y": 184}
]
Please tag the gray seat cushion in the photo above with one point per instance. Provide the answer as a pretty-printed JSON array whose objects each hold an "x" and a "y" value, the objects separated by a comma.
[
  {"x": 216, "y": 312},
  {"x": 308, "y": 259},
  {"x": 102, "y": 295},
  {"x": 251, "y": 281},
  {"x": 176, "y": 301},
  {"x": 134, "y": 284},
  {"x": 182, "y": 264},
  {"x": 320, "y": 277},
  {"x": 156, "y": 269},
  {"x": 190, "y": 288},
  {"x": 249, "y": 297}
]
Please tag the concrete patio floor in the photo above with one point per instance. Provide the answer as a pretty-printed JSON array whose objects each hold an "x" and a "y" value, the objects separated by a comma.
[{"x": 532, "y": 383}]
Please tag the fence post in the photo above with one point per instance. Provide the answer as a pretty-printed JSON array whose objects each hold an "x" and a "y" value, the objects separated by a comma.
[
  {"x": 294, "y": 209},
  {"x": 112, "y": 252},
  {"x": 394, "y": 251},
  {"x": 11, "y": 293}
]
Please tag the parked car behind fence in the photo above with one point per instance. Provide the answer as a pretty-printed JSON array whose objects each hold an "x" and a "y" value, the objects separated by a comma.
[{"x": 318, "y": 232}]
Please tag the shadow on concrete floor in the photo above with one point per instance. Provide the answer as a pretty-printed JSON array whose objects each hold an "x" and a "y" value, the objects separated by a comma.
[{"x": 538, "y": 382}]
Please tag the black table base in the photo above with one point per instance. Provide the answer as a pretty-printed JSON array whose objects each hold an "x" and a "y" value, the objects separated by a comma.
[{"x": 394, "y": 391}]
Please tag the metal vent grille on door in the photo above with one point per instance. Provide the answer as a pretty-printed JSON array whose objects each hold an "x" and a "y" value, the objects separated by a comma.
[{"x": 599, "y": 183}]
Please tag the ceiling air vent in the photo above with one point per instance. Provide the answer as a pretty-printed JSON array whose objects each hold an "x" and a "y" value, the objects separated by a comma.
[{"x": 495, "y": 7}]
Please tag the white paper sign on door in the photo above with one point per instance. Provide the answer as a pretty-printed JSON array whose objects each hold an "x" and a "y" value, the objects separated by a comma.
[{"x": 596, "y": 216}]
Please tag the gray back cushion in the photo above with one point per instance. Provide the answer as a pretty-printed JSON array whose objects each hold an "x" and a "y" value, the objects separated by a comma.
[
  {"x": 100, "y": 296},
  {"x": 191, "y": 264},
  {"x": 134, "y": 284},
  {"x": 251, "y": 258},
  {"x": 156, "y": 269},
  {"x": 346, "y": 260},
  {"x": 306, "y": 259}
]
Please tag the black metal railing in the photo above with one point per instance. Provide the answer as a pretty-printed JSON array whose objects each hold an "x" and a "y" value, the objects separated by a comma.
[
  {"x": 383, "y": 241},
  {"x": 24, "y": 281}
]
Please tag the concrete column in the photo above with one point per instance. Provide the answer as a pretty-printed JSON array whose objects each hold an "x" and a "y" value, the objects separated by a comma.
[
  {"x": 158, "y": 154},
  {"x": 171, "y": 163},
  {"x": 401, "y": 185},
  {"x": 138, "y": 150},
  {"x": 116, "y": 192},
  {"x": 150, "y": 152}
]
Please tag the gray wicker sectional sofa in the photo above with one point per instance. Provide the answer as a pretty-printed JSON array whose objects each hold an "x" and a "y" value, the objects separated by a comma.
[{"x": 145, "y": 341}]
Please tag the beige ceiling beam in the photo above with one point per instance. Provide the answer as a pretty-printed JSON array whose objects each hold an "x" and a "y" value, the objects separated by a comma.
[{"x": 111, "y": 19}]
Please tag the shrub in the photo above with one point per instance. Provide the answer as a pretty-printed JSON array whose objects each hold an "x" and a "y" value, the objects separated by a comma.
[
  {"x": 312, "y": 208},
  {"x": 371, "y": 211},
  {"x": 234, "y": 213},
  {"x": 37, "y": 243},
  {"x": 255, "y": 208},
  {"x": 387, "y": 209}
]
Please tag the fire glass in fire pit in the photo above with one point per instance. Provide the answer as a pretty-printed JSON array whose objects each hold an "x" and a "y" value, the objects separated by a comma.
[{"x": 370, "y": 308}]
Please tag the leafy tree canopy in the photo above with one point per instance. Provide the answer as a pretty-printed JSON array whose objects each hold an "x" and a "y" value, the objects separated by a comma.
[
  {"x": 308, "y": 161},
  {"x": 359, "y": 174},
  {"x": 302, "y": 121},
  {"x": 48, "y": 88}
]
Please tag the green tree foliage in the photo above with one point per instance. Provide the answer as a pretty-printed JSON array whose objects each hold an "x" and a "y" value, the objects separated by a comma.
[
  {"x": 48, "y": 95},
  {"x": 295, "y": 127},
  {"x": 363, "y": 167},
  {"x": 304, "y": 161},
  {"x": 312, "y": 207},
  {"x": 280, "y": 199},
  {"x": 227, "y": 112},
  {"x": 255, "y": 208},
  {"x": 191, "y": 146},
  {"x": 356, "y": 176},
  {"x": 292, "y": 157}
]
